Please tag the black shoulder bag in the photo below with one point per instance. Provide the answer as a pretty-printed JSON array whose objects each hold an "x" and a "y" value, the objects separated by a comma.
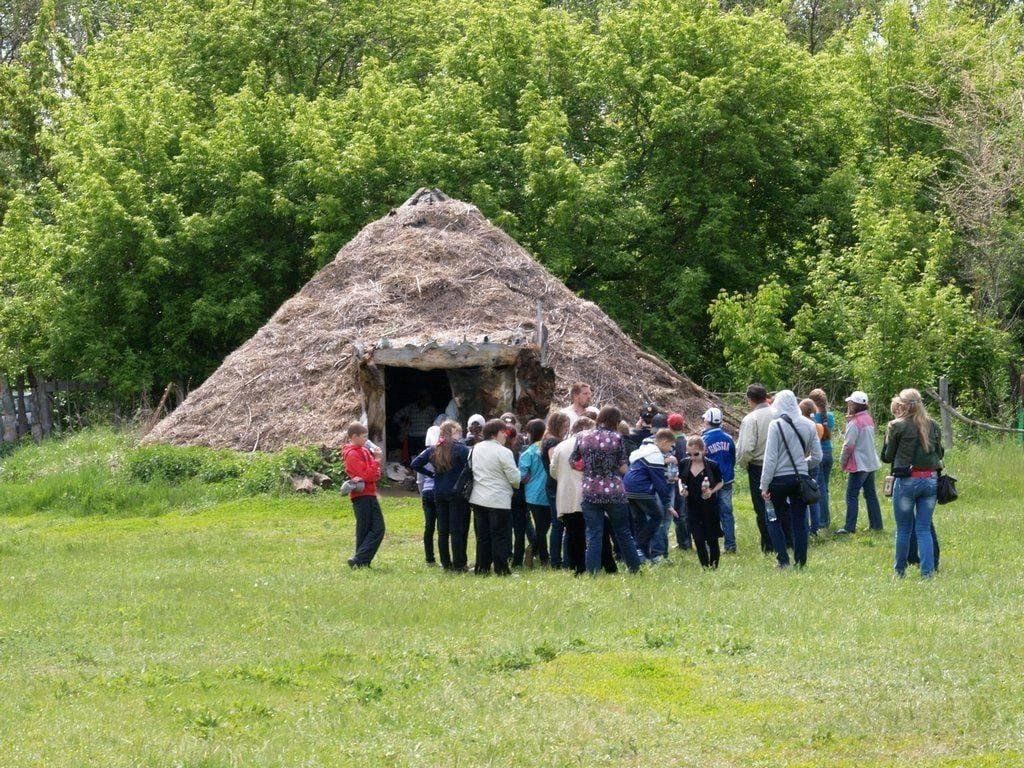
[
  {"x": 946, "y": 489},
  {"x": 809, "y": 490},
  {"x": 464, "y": 485}
]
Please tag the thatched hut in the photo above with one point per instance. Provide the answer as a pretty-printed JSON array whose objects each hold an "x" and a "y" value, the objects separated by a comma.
[{"x": 430, "y": 297}]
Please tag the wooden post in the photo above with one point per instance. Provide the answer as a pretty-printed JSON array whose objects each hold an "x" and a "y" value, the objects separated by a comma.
[{"x": 947, "y": 420}]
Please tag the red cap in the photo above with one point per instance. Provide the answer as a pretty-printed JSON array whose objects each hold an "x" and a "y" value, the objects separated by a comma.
[{"x": 676, "y": 422}]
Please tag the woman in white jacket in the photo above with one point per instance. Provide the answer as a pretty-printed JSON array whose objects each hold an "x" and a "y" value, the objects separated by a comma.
[
  {"x": 569, "y": 497},
  {"x": 495, "y": 477},
  {"x": 792, "y": 450}
]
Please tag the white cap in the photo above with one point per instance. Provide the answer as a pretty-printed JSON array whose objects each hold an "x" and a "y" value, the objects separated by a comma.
[
  {"x": 476, "y": 418},
  {"x": 432, "y": 436},
  {"x": 713, "y": 416},
  {"x": 858, "y": 397}
]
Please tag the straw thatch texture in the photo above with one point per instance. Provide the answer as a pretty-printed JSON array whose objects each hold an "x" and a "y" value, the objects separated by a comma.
[{"x": 434, "y": 269}]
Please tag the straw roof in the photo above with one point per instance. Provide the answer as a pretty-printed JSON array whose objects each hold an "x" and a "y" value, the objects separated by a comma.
[{"x": 433, "y": 270}]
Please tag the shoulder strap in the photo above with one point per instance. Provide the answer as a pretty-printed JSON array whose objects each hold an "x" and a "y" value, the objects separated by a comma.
[
  {"x": 788, "y": 452},
  {"x": 803, "y": 445}
]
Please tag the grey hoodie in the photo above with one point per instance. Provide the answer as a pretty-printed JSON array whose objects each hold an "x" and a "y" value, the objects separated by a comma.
[{"x": 781, "y": 434}]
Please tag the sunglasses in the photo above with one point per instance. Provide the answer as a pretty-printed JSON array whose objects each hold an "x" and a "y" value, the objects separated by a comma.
[{"x": 696, "y": 453}]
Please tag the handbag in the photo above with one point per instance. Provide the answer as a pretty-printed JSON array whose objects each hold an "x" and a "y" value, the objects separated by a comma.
[
  {"x": 946, "y": 489},
  {"x": 464, "y": 485},
  {"x": 809, "y": 490}
]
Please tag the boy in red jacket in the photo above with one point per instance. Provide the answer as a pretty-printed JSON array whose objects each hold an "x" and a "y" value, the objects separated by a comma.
[{"x": 361, "y": 464}]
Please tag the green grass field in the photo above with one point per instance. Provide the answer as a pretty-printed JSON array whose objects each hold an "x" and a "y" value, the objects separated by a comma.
[{"x": 191, "y": 625}]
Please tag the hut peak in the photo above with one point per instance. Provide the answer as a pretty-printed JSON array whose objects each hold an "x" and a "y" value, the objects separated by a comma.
[{"x": 426, "y": 195}]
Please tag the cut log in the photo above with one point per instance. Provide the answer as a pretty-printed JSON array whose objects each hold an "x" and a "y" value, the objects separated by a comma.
[
  {"x": 302, "y": 484},
  {"x": 322, "y": 480}
]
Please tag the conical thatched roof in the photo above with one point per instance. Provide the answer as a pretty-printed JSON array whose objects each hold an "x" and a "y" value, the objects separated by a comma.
[{"x": 434, "y": 269}]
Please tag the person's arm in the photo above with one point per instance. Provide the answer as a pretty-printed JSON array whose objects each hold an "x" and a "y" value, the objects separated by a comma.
[
  {"x": 661, "y": 486},
  {"x": 354, "y": 466},
  {"x": 940, "y": 449},
  {"x": 373, "y": 471},
  {"x": 508, "y": 465},
  {"x": 743, "y": 444},
  {"x": 890, "y": 445},
  {"x": 849, "y": 444},
  {"x": 554, "y": 456},
  {"x": 771, "y": 457},
  {"x": 716, "y": 478},
  {"x": 419, "y": 464},
  {"x": 816, "y": 453},
  {"x": 524, "y": 466}
]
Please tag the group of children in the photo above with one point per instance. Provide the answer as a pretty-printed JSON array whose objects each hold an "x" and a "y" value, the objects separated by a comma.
[{"x": 668, "y": 480}]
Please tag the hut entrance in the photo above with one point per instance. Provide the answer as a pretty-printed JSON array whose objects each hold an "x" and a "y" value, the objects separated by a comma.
[{"x": 411, "y": 385}]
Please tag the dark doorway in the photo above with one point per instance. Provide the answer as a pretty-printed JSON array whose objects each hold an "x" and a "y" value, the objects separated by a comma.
[{"x": 403, "y": 387}]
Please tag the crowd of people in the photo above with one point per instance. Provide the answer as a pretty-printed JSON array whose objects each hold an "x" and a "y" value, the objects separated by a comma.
[{"x": 585, "y": 491}]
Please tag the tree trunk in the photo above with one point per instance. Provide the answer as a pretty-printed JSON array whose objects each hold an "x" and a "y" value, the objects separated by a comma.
[
  {"x": 8, "y": 415},
  {"x": 43, "y": 426},
  {"x": 23, "y": 427}
]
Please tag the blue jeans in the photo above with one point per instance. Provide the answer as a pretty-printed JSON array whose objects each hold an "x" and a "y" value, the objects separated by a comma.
[
  {"x": 790, "y": 517},
  {"x": 854, "y": 482},
  {"x": 659, "y": 546},
  {"x": 913, "y": 503},
  {"x": 726, "y": 518},
  {"x": 824, "y": 473},
  {"x": 618, "y": 518},
  {"x": 556, "y": 536},
  {"x": 647, "y": 516}
]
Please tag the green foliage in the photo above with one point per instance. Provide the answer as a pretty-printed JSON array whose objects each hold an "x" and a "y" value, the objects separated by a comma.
[
  {"x": 173, "y": 172},
  {"x": 880, "y": 302}
]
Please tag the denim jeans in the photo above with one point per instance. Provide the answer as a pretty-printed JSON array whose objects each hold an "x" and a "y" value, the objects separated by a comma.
[
  {"x": 557, "y": 534},
  {"x": 618, "y": 519},
  {"x": 854, "y": 482},
  {"x": 791, "y": 517},
  {"x": 659, "y": 544},
  {"x": 647, "y": 516},
  {"x": 824, "y": 473},
  {"x": 913, "y": 504},
  {"x": 683, "y": 538},
  {"x": 726, "y": 518}
]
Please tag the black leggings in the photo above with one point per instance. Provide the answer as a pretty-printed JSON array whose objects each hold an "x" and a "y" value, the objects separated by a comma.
[
  {"x": 575, "y": 534},
  {"x": 541, "y": 514},
  {"x": 705, "y": 540}
]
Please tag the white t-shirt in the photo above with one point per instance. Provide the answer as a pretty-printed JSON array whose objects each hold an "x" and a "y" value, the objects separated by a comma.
[{"x": 571, "y": 413}]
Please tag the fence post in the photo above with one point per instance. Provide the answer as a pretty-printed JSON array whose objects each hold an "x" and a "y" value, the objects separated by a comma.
[{"x": 947, "y": 420}]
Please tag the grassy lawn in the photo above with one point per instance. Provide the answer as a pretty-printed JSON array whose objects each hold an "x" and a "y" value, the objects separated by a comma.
[{"x": 198, "y": 627}]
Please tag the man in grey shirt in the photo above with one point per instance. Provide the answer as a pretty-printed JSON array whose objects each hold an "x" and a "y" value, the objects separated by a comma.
[{"x": 750, "y": 452}]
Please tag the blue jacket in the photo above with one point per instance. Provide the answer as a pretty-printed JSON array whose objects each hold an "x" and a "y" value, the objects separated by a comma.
[
  {"x": 444, "y": 482},
  {"x": 531, "y": 469},
  {"x": 646, "y": 475},
  {"x": 721, "y": 449}
]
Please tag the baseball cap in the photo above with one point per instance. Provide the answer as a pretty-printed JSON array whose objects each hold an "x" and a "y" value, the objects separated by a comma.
[
  {"x": 858, "y": 397},
  {"x": 713, "y": 416},
  {"x": 676, "y": 422},
  {"x": 476, "y": 419}
]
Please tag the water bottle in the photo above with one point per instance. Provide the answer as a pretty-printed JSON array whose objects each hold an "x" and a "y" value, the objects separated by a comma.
[
  {"x": 705, "y": 487},
  {"x": 769, "y": 511}
]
